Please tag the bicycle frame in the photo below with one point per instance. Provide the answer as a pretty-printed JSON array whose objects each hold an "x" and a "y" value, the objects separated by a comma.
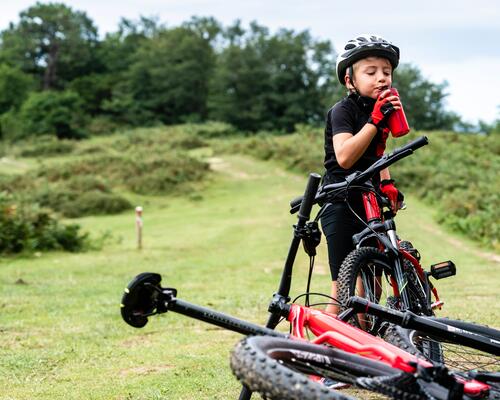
[
  {"x": 337, "y": 333},
  {"x": 328, "y": 329},
  {"x": 381, "y": 226}
]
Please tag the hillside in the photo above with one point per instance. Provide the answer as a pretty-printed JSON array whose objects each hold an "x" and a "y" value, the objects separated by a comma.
[{"x": 61, "y": 335}]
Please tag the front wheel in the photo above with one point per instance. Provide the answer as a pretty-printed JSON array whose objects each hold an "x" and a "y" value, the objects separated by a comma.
[
  {"x": 285, "y": 369},
  {"x": 258, "y": 363},
  {"x": 368, "y": 273}
]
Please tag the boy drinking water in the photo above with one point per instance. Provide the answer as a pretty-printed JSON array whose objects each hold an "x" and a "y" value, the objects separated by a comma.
[{"x": 355, "y": 137}]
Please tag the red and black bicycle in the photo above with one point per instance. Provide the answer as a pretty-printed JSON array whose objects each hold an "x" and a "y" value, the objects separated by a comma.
[{"x": 326, "y": 346}]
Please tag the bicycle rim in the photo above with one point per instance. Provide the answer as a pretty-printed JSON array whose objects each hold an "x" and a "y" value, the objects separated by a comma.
[
  {"x": 454, "y": 355},
  {"x": 367, "y": 273}
]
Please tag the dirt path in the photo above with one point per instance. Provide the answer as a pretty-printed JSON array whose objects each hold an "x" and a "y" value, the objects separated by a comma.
[{"x": 460, "y": 244}]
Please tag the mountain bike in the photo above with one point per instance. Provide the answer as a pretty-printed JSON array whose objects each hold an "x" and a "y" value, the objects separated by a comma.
[
  {"x": 288, "y": 366},
  {"x": 383, "y": 268},
  {"x": 358, "y": 357}
]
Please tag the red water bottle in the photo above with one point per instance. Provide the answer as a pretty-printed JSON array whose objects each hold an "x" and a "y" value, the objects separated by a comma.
[{"x": 397, "y": 123}]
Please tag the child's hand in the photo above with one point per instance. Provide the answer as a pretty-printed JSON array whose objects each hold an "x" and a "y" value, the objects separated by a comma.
[
  {"x": 393, "y": 194},
  {"x": 385, "y": 105}
]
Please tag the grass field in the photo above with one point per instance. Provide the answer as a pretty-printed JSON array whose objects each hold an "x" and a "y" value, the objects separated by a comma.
[{"x": 61, "y": 334}]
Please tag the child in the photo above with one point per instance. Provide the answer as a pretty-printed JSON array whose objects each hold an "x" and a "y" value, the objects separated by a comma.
[{"x": 355, "y": 136}]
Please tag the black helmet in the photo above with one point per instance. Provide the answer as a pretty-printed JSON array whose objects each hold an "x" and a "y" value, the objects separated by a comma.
[{"x": 366, "y": 45}]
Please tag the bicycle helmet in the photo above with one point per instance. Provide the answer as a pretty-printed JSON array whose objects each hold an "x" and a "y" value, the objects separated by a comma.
[{"x": 365, "y": 45}]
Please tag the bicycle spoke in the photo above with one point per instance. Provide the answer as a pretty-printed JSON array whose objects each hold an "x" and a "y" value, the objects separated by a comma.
[
  {"x": 373, "y": 287},
  {"x": 463, "y": 358}
]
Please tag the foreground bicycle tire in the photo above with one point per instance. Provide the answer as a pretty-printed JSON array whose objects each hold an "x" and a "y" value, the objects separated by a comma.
[
  {"x": 267, "y": 376},
  {"x": 281, "y": 369},
  {"x": 455, "y": 356}
]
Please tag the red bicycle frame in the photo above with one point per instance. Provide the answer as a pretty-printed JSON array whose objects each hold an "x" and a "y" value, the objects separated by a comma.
[
  {"x": 374, "y": 214},
  {"x": 330, "y": 330}
]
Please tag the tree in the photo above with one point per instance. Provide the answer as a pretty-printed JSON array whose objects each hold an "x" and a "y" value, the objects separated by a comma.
[
  {"x": 167, "y": 80},
  {"x": 52, "y": 42},
  {"x": 14, "y": 88},
  {"x": 53, "y": 113},
  {"x": 271, "y": 82},
  {"x": 423, "y": 101}
]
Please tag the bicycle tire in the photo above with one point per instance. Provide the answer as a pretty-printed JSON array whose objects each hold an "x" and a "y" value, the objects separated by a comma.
[
  {"x": 455, "y": 356},
  {"x": 281, "y": 369},
  {"x": 368, "y": 262},
  {"x": 355, "y": 262}
]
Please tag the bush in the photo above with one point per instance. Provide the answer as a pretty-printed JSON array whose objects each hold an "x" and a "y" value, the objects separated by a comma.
[
  {"x": 94, "y": 203},
  {"x": 210, "y": 129},
  {"x": 53, "y": 113},
  {"x": 80, "y": 196},
  {"x": 102, "y": 125},
  {"x": 31, "y": 228},
  {"x": 45, "y": 146},
  {"x": 161, "y": 139},
  {"x": 14, "y": 87}
]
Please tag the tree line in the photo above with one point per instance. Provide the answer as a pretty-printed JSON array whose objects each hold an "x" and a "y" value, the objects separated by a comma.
[{"x": 58, "y": 77}]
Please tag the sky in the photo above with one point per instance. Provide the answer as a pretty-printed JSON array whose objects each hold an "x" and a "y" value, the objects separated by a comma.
[{"x": 457, "y": 41}]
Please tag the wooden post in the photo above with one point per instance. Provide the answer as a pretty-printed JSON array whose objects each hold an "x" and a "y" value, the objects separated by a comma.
[{"x": 138, "y": 225}]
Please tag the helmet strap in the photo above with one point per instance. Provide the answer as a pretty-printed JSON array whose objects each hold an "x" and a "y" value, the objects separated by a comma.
[{"x": 350, "y": 74}]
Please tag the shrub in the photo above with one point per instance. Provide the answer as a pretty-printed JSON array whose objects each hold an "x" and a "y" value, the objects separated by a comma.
[
  {"x": 210, "y": 129},
  {"x": 45, "y": 146},
  {"x": 158, "y": 139},
  {"x": 31, "y": 228},
  {"x": 80, "y": 196},
  {"x": 53, "y": 113},
  {"x": 94, "y": 203},
  {"x": 102, "y": 125},
  {"x": 14, "y": 87}
]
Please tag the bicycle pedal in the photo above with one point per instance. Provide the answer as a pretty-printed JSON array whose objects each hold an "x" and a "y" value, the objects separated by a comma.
[
  {"x": 443, "y": 269},
  {"x": 437, "y": 304}
]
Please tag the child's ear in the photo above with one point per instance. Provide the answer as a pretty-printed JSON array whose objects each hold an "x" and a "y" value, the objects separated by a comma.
[{"x": 348, "y": 82}]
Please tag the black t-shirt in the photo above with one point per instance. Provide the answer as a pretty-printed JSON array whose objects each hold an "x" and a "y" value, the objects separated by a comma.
[{"x": 350, "y": 115}]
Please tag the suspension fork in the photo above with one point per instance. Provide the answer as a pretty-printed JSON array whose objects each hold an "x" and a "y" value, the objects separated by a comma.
[
  {"x": 374, "y": 216},
  {"x": 399, "y": 275}
]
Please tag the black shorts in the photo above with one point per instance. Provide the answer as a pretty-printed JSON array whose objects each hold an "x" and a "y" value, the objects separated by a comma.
[{"x": 339, "y": 224}]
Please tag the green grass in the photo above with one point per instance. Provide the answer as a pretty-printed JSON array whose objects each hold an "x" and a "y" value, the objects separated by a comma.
[{"x": 61, "y": 335}]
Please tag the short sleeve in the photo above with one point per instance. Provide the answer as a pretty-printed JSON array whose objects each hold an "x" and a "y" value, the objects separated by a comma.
[{"x": 342, "y": 119}]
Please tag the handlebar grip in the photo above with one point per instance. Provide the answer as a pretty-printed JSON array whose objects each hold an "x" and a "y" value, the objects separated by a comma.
[
  {"x": 309, "y": 196},
  {"x": 414, "y": 145}
]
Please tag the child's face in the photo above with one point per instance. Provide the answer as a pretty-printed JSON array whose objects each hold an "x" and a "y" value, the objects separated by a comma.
[{"x": 371, "y": 76}]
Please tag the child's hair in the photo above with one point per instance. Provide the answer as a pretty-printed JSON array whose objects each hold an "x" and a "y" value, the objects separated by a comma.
[{"x": 362, "y": 47}]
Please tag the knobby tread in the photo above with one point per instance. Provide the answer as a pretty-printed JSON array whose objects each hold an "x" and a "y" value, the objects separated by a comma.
[
  {"x": 272, "y": 380},
  {"x": 349, "y": 271}
]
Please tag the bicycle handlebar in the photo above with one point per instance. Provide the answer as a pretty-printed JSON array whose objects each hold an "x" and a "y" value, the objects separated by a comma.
[
  {"x": 309, "y": 196},
  {"x": 382, "y": 163}
]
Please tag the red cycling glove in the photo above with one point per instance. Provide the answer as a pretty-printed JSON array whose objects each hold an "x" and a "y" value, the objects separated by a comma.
[
  {"x": 381, "y": 110},
  {"x": 394, "y": 195}
]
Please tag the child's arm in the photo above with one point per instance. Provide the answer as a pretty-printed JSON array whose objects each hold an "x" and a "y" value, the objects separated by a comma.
[
  {"x": 385, "y": 174},
  {"x": 349, "y": 148}
]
